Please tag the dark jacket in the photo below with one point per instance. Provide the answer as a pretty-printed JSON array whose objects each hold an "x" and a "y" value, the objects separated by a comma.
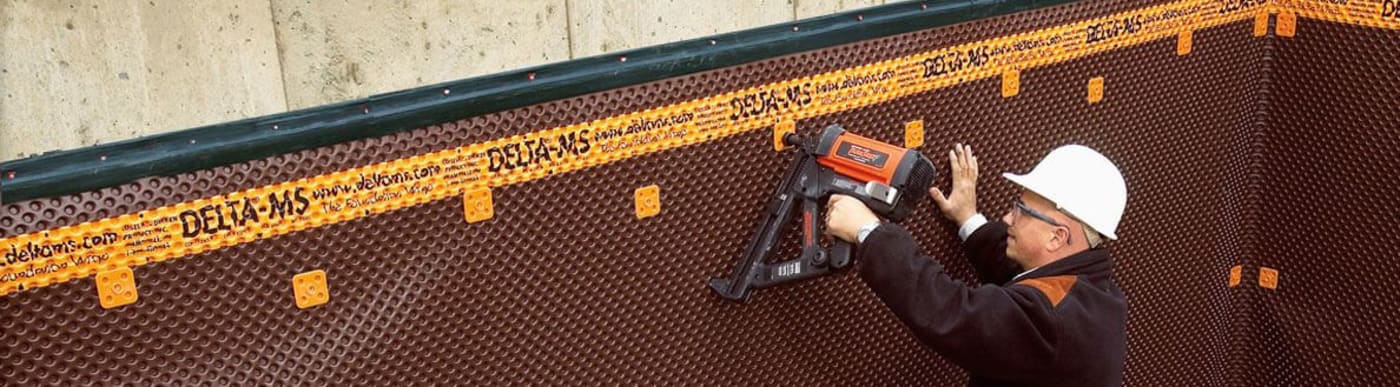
[{"x": 1060, "y": 325}]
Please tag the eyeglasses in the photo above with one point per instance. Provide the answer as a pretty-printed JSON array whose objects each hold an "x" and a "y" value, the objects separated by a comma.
[{"x": 1023, "y": 208}]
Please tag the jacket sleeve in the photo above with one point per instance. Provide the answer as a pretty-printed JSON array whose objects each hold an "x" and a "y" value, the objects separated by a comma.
[
  {"x": 1004, "y": 332},
  {"x": 986, "y": 250}
]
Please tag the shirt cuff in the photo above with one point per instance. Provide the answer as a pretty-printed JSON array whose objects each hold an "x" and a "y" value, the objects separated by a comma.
[
  {"x": 971, "y": 225},
  {"x": 865, "y": 231}
]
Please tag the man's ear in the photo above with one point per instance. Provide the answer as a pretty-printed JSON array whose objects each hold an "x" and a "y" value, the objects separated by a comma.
[{"x": 1058, "y": 239}]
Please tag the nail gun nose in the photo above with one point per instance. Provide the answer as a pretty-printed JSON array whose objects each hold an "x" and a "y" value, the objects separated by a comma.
[{"x": 792, "y": 139}]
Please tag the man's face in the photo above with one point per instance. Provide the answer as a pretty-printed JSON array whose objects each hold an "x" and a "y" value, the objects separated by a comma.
[{"x": 1029, "y": 238}]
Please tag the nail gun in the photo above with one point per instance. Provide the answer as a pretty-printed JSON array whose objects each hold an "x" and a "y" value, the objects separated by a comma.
[{"x": 890, "y": 180}]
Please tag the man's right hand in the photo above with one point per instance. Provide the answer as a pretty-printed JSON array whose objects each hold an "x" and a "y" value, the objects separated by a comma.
[{"x": 961, "y": 203}]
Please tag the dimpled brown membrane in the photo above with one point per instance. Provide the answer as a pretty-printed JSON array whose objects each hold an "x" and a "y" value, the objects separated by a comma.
[
  {"x": 1328, "y": 209},
  {"x": 565, "y": 285}
]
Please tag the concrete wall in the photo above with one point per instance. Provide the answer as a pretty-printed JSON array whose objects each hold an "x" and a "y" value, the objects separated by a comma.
[{"x": 75, "y": 73}]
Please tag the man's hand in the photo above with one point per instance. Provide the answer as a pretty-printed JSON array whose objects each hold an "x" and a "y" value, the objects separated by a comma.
[
  {"x": 845, "y": 215},
  {"x": 961, "y": 204}
]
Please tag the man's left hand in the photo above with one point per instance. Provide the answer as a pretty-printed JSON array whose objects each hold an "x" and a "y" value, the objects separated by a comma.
[{"x": 844, "y": 217}]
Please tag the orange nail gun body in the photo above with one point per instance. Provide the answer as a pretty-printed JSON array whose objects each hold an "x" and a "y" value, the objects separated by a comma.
[{"x": 889, "y": 179}]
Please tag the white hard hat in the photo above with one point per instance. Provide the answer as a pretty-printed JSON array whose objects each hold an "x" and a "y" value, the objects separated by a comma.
[{"x": 1082, "y": 183}]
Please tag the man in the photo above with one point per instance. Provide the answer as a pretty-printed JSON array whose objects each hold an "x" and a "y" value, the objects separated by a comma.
[{"x": 1048, "y": 312}]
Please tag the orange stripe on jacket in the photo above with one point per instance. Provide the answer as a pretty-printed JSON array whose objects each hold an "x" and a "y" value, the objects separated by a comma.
[{"x": 1055, "y": 288}]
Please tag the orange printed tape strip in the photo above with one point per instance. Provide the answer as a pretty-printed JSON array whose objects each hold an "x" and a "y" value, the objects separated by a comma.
[{"x": 180, "y": 230}]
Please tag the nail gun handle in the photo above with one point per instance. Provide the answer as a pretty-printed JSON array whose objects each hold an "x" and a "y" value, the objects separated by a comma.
[{"x": 838, "y": 256}]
